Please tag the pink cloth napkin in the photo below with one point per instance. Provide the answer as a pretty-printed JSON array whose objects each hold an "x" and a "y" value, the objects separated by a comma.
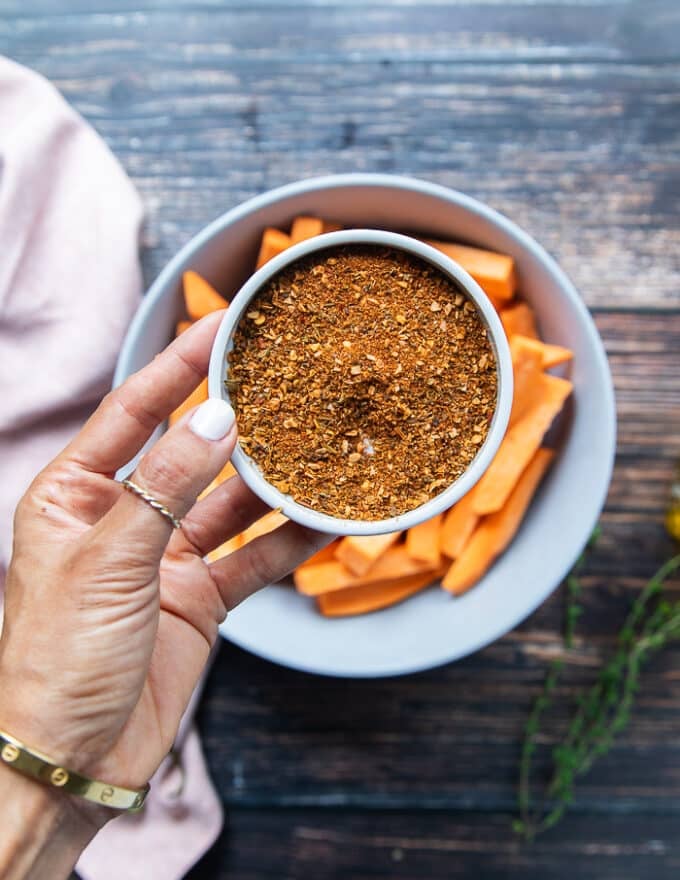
[{"x": 69, "y": 284}]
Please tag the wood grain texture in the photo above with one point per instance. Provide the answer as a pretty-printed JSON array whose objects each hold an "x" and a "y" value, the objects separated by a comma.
[
  {"x": 565, "y": 116},
  {"x": 447, "y": 738},
  {"x": 644, "y": 357},
  {"x": 303, "y": 844}
]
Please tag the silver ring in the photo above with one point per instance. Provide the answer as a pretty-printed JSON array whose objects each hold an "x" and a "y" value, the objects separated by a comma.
[{"x": 152, "y": 502}]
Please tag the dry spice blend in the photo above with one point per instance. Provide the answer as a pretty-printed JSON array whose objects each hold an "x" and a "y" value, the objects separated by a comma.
[{"x": 363, "y": 382}]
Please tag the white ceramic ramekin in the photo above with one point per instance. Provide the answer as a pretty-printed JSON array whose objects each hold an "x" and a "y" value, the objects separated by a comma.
[{"x": 323, "y": 522}]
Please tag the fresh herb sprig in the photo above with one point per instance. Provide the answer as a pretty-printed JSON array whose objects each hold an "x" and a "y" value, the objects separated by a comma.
[{"x": 603, "y": 710}]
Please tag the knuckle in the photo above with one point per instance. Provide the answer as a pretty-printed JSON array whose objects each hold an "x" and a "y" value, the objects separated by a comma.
[
  {"x": 185, "y": 361},
  {"x": 161, "y": 472},
  {"x": 39, "y": 494},
  {"x": 26, "y": 507},
  {"x": 261, "y": 567},
  {"x": 130, "y": 397},
  {"x": 307, "y": 542},
  {"x": 198, "y": 534},
  {"x": 310, "y": 540},
  {"x": 56, "y": 489},
  {"x": 242, "y": 510}
]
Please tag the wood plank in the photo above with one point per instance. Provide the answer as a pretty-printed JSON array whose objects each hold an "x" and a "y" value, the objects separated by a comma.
[
  {"x": 453, "y": 30},
  {"x": 581, "y": 152},
  {"x": 641, "y": 485},
  {"x": 328, "y": 845},
  {"x": 644, "y": 357}
]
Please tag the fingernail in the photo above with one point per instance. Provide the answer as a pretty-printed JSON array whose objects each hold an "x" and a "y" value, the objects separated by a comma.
[{"x": 213, "y": 419}]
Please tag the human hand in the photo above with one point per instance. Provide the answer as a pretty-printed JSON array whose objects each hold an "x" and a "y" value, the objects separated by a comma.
[{"x": 109, "y": 612}]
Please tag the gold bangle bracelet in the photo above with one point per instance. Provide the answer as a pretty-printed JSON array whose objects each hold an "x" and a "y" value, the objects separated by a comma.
[{"x": 31, "y": 763}]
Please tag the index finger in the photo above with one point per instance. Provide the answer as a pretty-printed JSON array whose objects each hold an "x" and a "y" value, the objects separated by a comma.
[{"x": 128, "y": 415}]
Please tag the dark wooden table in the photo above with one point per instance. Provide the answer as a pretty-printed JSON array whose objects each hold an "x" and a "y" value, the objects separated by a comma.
[{"x": 565, "y": 116}]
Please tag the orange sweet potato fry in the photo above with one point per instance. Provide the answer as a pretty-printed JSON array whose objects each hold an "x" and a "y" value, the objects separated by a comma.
[
  {"x": 303, "y": 228},
  {"x": 394, "y": 564},
  {"x": 331, "y": 227},
  {"x": 496, "y": 302},
  {"x": 359, "y": 552},
  {"x": 520, "y": 444},
  {"x": 200, "y": 297},
  {"x": 459, "y": 523},
  {"x": 495, "y": 531},
  {"x": 422, "y": 541},
  {"x": 372, "y": 597},
  {"x": 527, "y": 368},
  {"x": 226, "y": 549},
  {"x": 273, "y": 242},
  {"x": 495, "y": 273},
  {"x": 555, "y": 354},
  {"x": 198, "y": 395},
  {"x": 263, "y": 526},
  {"x": 550, "y": 355},
  {"x": 519, "y": 319},
  {"x": 462, "y": 519}
]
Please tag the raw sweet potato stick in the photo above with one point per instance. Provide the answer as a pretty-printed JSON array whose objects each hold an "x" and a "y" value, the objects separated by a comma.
[
  {"x": 519, "y": 319},
  {"x": 359, "y": 552},
  {"x": 273, "y": 242},
  {"x": 495, "y": 273},
  {"x": 519, "y": 445},
  {"x": 527, "y": 368},
  {"x": 459, "y": 523},
  {"x": 372, "y": 597},
  {"x": 495, "y": 532},
  {"x": 422, "y": 541},
  {"x": 200, "y": 297},
  {"x": 550, "y": 355},
  {"x": 395, "y": 563},
  {"x": 303, "y": 228}
]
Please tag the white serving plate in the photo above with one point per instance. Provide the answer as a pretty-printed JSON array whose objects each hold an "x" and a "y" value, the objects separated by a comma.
[{"x": 431, "y": 628}]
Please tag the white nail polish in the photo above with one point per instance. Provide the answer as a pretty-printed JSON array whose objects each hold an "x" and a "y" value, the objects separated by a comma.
[{"x": 213, "y": 419}]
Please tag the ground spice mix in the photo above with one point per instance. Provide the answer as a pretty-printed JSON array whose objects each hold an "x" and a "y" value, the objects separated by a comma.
[{"x": 363, "y": 382}]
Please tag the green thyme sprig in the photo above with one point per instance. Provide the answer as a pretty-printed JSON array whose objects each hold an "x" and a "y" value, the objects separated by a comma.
[
  {"x": 544, "y": 700},
  {"x": 603, "y": 710},
  {"x": 573, "y": 609}
]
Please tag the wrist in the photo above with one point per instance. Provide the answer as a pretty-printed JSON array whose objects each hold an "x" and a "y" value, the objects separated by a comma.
[
  {"x": 44, "y": 830},
  {"x": 76, "y": 728},
  {"x": 31, "y": 721},
  {"x": 34, "y": 711}
]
